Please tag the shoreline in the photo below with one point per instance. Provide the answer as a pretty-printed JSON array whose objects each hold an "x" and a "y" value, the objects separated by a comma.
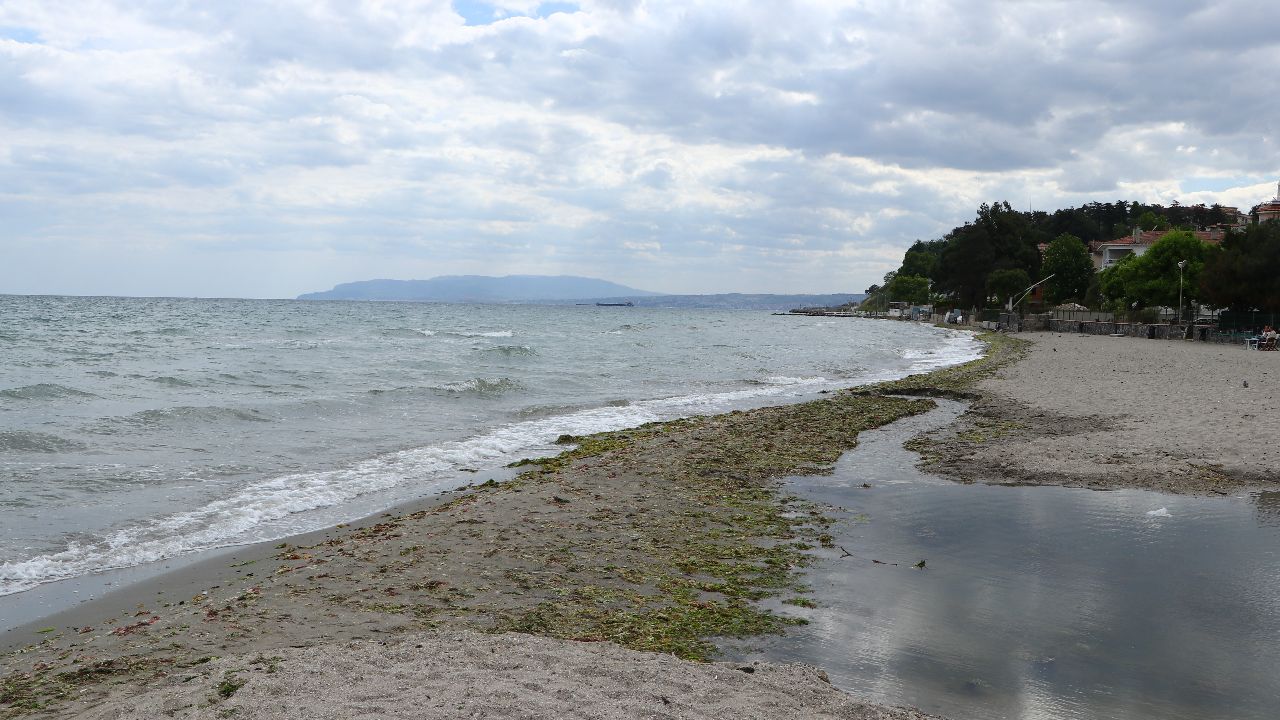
[{"x": 656, "y": 538}]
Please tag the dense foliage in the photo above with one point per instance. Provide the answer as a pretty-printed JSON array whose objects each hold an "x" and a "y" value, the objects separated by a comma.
[
  {"x": 1154, "y": 279},
  {"x": 1243, "y": 273},
  {"x": 976, "y": 264},
  {"x": 1067, "y": 264}
]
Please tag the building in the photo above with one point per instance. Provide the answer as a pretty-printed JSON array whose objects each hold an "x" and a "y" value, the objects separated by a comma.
[
  {"x": 1106, "y": 254},
  {"x": 1269, "y": 210}
]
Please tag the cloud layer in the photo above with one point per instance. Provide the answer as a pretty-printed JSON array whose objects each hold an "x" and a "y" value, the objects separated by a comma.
[{"x": 282, "y": 146}]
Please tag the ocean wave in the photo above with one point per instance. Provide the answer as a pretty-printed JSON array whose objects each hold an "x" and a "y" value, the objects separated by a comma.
[
  {"x": 44, "y": 391},
  {"x": 784, "y": 380},
  {"x": 410, "y": 333},
  {"x": 27, "y": 441},
  {"x": 483, "y": 387},
  {"x": 478, "y": 333},
  {"x": 279, "y": 506},
  {"x": 512, "y": 350},
  {"x": 235, "y": 519},
  {"x": 181, "y": 415},
  {"x": 170, "y": 381}
]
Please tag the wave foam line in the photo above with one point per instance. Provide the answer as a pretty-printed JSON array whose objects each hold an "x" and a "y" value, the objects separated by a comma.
[{"x": 427, "y": 470}]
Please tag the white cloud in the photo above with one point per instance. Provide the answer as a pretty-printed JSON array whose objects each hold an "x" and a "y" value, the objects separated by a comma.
[{"x": 691, "y": 146}]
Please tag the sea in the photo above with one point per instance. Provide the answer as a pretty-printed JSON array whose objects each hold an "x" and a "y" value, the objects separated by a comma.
[{"x": 135, "y": 430}]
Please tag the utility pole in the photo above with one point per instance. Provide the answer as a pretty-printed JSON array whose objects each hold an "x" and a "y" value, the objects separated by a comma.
[{"x": 1181, "y": 265}]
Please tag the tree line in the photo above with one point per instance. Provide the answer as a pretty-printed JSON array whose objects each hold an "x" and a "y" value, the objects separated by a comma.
[{"x": 997, "y": 256}]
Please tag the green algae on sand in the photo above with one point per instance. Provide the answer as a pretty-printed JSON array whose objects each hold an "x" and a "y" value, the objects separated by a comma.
[{"x": 657, "y": 538}]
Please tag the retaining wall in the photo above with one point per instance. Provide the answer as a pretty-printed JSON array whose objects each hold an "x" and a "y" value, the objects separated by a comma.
[{"x": 1154, "y": 331}]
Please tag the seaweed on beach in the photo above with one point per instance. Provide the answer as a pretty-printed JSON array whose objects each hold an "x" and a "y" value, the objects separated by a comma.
[{"x": 658, "y": 538}]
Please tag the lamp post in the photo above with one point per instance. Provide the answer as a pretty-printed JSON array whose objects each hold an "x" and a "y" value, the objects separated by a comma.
[{"x": 1182, "y": 264}]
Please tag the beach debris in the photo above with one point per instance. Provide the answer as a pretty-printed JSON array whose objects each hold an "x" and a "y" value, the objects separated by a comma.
[
  {"x": 141, "y": 624},
  {"x": 846, "y": 552},
  {"x": 919, "y": 565},
  {"x": 1161, "y": 513},
  {"x": 747, "y": 669},
  {"x": 1246, "y": 383}
]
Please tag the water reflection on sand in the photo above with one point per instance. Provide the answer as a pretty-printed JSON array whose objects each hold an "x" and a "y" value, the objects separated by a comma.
[{"x": 1039, "y": 602}]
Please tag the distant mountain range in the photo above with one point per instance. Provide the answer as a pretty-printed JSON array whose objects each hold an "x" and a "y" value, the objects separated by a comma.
[
  {"x": 480, "y": 289},
  {"x": 559, "y": 290}
]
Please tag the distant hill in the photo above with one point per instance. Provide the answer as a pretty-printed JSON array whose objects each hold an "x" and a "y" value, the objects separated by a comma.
[
  {"x": 560, "y": 290},
  {"x": 481, "y": 289}
]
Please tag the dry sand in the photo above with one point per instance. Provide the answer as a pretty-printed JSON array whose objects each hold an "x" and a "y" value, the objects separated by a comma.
[
  {"x": 469, "y": 675},
  {"x": 1107, "y": 412}
]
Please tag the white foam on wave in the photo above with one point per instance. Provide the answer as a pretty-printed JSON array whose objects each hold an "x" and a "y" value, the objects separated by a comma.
[
  {"x": 285, "y": 505},
  {"x": 784, "y": 380}
]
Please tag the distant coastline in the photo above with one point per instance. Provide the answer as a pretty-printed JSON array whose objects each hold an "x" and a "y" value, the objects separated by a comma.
[{"x": 562, "y": 290}]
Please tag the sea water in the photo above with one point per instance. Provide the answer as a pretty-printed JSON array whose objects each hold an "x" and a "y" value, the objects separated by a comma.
[{"x": 135, "y": 430}]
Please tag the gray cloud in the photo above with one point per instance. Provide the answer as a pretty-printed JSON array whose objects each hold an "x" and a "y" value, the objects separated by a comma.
[{"x": 674, "y": 146}]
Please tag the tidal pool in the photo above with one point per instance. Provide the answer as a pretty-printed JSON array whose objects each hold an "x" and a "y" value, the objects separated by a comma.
[{"x": 1037, "y": 602}]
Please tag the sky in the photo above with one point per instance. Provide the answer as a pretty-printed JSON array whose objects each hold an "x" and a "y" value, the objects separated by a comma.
[{"x": 275, "y": 147}]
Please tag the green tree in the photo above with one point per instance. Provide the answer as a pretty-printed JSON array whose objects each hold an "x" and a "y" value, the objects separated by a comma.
[
  {"x": 1152, "y": 279},
  {"x": 1000, "y": 238},
  {"x": 1067, "y": 260},
  {"x": 922, "y": 259},
  {"x": 1150, "y": 221},
  {"x": 1244, "y": 272},
  {"x": 909, "y": 288},
  {"x": 1005, "y": 284}
]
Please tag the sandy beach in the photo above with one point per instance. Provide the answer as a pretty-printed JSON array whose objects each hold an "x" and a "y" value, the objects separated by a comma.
[
  {"x": 1105, "y": 412},
  {"x": 584, "y": 587}
]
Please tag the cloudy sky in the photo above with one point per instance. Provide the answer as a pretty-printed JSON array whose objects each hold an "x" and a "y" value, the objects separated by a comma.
[{"x": 269, "y": 148}]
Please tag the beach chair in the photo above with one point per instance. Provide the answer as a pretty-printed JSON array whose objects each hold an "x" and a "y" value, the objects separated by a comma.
[{"x": 1267, "y": 344}]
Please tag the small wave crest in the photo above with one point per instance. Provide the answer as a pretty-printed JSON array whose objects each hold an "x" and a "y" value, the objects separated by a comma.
[
  {"x": 479, "y": 333},
  {"x": 410, "y": 333},
  {"x": 784, "y": 380},
  {"x": 512, "y": 350},
  {"x": 44, "y": 391},
  {"x": 181, "y": 415},
  {"x": 484, "y": 387},
  {"x": 27, "y": 441},
  {"x": 242, "y": 516}
]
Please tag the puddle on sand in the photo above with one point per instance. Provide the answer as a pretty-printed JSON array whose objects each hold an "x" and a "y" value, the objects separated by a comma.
[{"x": 1037, "y": 602}]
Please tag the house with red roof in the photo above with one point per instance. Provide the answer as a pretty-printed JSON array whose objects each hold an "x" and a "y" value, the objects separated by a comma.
[{"x": 1108, "y": 253}]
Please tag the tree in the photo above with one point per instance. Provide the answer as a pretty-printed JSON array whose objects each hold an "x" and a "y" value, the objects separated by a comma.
[
  {"x": 922, "y": 259},
  {"x": 909, "y": 288},
  {"x": 1244, "y": 272},
  {"x": 1005, "y": 284},
  {"x": 1067, "y": 260},
  {"x": 1150, "y": 221},
  {"x": 1153, "y": 278},
  {"x": 1000, "y": 238}
]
